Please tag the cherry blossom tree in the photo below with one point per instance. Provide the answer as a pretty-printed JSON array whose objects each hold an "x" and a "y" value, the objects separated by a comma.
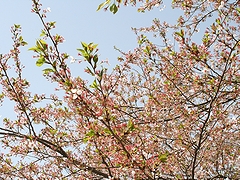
[{"x": 169, "y": 110}]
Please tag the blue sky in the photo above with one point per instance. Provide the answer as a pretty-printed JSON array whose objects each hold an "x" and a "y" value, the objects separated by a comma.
[{"x": 77, "y": 20}]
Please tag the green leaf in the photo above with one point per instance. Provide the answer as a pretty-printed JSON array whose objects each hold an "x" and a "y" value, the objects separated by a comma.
[
  {"x": 40, "y": 61},
  {"x": 43, "y": 44},
  {"x": 82, "y": 51},
  {"x": 51, "y": 24},
  {"x": 145, "y": 60},
  {"x": 101, "y": 72},
  {"x": 178, "y": 176},
  {"x": 107, "y": 131},
  {"x": 88, "y": 136},
  {"x": 1, "y": 95},
  {"x": 95, "y": 58},
  {"x": 103, "y": 4},
  {"x": 238, "y": 10},
  {"x": 167, "y": 82},
  {"x": 94, "y": 46},
  {"x": 65, "y": 56},
  {"x": 181, "y": 126},
  {"x": 43, "y": 33},
  {"x": 163, "y": 157},
  {"x": 113, "y": 8},
  {"x": 47, "y": 70},
  {"x": 53, "y": 131},
  {"x": 67, "y": 83},
  {"x": 91, "y": 133},
  {"x": 34, "y": 48},
  {"x": 178, "y": 33},
  {"x": 142, "y": 39},
  {"x": 17, "y": 26},
  {"x": 20, "y": 38},
  {"x": 85, "y": 46},
  {"x": 94, "y": 84},
  {"x": 181, "y": 33},
  {"x": 23, "y": 43},
  {"x": 8, "y": 161},
  {"x": 141, "y": 10},
  {"x": 147, "y": 50},
  {"x": 130, "y": 125}
]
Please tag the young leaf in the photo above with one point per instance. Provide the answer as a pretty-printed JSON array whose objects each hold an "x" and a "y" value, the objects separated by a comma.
[
  {"x": 43, "y": 33},
  {"x": 113, "y": 8},
  {"x": 82, "y": 51},
  {"x": 35, "y": 49},
  {"x": 103, "y": 4},
  {"x": 85, "y": 46},
  {"x": 130, "y": 125},
  {"x": 17, "y": 26},
  {"x": 23, "y": 43},
  {"x": 47, "y": 70},
  {"x": 53, "y": 131},
  {"x": 43, "y": 44},
  {"x": 94, "y": 84},
  {"x": 107, "y": 131},
  {"x": 88, "y": 136},
  {"x": 163, "y": 157},
  {"x": 95, "y": 58},
  {"x": 40, "y": 61},
  {"x": 94, "y": 46},
  {"x": 90, "y": 133},
  {"x": 238, "y": 10}
]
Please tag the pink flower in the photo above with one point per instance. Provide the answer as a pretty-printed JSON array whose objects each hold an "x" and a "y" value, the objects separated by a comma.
[
  {"x": 48, "y": 9},
  {"x": 76, "y": 93},
  {"x": 221, "y": 5},
  {"x": 72, "y": 59}
]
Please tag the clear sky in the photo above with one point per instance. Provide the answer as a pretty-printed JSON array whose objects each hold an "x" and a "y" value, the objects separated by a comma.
[{"x": 77, "y": 20}]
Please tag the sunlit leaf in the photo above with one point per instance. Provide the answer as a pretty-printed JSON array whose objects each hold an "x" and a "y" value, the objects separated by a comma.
[
  {"x": 85, "y": 46},
  {"x": 40, "y": 61},
  {"x": 47, "y": 70},
  {"x": 17, "y": 26},
  {"x": 88, "y": 136},
  {"x": 43, "y": 33},
  {"x": 103, "y": 4},
  {"x": 163, "y": 157},
  {"x": 82, "y": 51},
  {"x": 130, "y": 125},
  {"x": 94, "y": 84},
  {"x": 34, "y": 48}
]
